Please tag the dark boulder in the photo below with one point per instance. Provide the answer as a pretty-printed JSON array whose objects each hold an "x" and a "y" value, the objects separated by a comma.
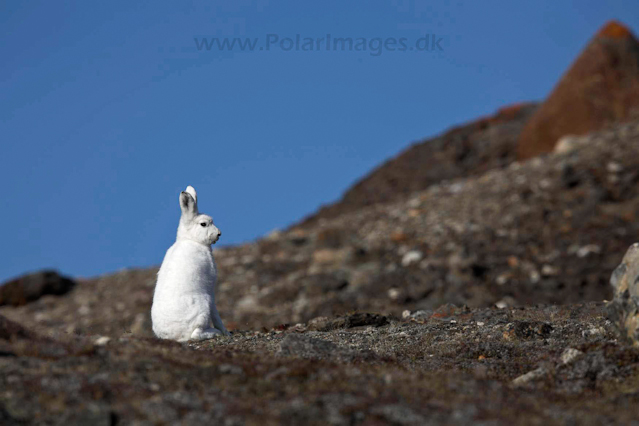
[{"x": 30, "y": 287}]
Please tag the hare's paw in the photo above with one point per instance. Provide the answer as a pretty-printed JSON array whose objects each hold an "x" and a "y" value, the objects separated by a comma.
[{"x": 205, "y": 334}]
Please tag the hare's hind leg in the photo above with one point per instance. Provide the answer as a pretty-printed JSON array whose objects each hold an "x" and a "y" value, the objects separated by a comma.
[
  {"x": 203, "y": 329},
  {"x": 217, "y": 322},
  {"x": 205, "y": 333}
]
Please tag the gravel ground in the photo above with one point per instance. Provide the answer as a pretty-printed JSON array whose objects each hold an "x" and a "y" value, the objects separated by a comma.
[{"x": 492, "y": 366}]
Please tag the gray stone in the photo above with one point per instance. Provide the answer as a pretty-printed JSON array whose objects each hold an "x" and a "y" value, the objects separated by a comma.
[
  {"x": 570, "y": 355},
  {"x": 623, "y": 311},
  {"x": 531, "y": 376}
]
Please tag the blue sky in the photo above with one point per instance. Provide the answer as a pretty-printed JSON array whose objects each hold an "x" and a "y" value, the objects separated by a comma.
[{"x": 109, "y": 109}]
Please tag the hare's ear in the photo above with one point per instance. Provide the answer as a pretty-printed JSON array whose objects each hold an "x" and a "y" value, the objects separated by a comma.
[
  {"x": 191, "y": 191},
  {"x": 188, "y": 205}
]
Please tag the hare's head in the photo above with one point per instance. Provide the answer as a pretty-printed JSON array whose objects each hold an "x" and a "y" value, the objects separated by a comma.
[{"x": 193, "y": 225}]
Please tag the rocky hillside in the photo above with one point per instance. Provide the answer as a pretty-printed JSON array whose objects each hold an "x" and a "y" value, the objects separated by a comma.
[{"x": 550, "y": 230}]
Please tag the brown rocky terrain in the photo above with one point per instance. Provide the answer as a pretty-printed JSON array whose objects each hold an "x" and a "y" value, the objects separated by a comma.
[{"x": 470, "y": 296}]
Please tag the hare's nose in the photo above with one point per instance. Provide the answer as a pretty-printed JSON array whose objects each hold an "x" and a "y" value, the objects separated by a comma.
[{"x": 219, "y": 233}]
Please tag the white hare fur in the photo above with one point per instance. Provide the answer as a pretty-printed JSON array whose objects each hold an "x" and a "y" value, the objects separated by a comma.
[{"x": 184, "y": 299}]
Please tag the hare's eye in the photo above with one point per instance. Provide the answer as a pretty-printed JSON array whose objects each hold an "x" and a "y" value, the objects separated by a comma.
[{"x": 203, "y": 224}]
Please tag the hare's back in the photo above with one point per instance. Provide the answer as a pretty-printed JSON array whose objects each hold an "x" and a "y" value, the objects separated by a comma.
[{"x": 188, "y": 266}]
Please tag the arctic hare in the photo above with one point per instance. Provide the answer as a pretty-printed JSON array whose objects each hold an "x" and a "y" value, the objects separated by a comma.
[{"x": 184, "y": 299}]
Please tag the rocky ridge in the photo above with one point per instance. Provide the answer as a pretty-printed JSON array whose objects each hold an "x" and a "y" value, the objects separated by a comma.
[
  {"x": 599, "y": 89},
  {"x": 463, "y": 151}
]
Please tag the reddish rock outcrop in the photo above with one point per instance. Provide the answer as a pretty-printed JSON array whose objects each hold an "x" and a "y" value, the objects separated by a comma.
[{"x": 600, "y": 88}]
